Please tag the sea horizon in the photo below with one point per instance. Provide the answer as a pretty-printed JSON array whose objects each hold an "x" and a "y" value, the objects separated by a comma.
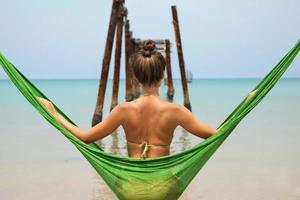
[{"x": 200, "y": 78}]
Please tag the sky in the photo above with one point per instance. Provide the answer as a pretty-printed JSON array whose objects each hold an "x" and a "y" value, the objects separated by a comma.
[{"x": 221, "y": 38}]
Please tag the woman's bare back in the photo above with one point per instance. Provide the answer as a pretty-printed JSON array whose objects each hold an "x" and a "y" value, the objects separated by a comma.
[
  {"x": 151, "y": 121},
  {"x": 148, "y": 120}
]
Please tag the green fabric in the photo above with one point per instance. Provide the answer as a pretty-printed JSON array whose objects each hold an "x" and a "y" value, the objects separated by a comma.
[{"x": 152, "y": 178}]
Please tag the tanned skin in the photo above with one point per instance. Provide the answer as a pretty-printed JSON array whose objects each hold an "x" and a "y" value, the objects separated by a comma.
[{"x": 148, "y": 118}]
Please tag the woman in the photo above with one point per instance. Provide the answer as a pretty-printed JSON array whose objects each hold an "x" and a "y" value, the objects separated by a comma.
[{"x": 149, "y": 121}]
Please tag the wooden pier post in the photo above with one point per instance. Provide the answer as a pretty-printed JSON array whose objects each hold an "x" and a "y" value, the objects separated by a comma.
[
  {"x": 135, "y": 84},
  {"x": 118, "y": 52},
  {"x": 97, "y": 117},
  {"x": 187, "y": 103},
  {"x": 169, "y": 71},
  {"x": 128, "y": 77}
]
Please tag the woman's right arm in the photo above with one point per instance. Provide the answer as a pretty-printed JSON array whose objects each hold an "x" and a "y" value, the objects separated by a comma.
[{"x": 191, "y": 123}]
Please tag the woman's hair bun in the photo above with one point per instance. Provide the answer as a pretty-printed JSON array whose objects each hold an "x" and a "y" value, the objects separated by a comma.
[{"x": 148, "y": 48}]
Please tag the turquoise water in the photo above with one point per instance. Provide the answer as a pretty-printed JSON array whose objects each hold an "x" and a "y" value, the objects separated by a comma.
[{"x": 260, "y": 158}]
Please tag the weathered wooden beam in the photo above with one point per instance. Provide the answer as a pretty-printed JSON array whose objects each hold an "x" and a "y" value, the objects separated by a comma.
[
  {"x": 187, "y": 103},
  {"x": 128, "y": 71},
  {"x": 170, "y": 92},
  {"x": 135, "y": 84},
  {"x": 133, "y": 47},
  {"x": 118, "y": 52},
  {"x": 157, "y": 41},
  {"x": 97, "y": 117}
]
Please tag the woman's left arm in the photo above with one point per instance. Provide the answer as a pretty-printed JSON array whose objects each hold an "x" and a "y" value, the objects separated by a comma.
[{"x": 99, "y": 131}]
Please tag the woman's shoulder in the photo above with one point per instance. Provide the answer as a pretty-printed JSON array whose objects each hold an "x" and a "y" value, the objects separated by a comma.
[
  {"x": 165, "y": 105},
  {"x": 126, "y": 107},
  {"x": 176, "y": 107},
  {"x": 171, "y": 109}
]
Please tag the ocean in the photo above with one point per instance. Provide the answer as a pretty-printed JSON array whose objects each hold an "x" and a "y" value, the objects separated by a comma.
[{"x": 259, "y": 160}]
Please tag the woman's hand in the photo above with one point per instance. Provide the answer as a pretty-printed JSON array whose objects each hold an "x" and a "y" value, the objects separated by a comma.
[{"x": 50, "y": 107}]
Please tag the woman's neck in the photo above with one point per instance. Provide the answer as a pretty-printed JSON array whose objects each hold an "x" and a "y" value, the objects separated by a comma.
[{"x": 150, "y": 90}]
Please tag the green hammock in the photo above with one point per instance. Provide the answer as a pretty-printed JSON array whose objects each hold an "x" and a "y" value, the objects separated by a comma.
[{"x": 162, "y": 178}]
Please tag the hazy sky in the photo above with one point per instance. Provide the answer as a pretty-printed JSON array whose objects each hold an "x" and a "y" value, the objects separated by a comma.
[{"x": 221, "y": 38}]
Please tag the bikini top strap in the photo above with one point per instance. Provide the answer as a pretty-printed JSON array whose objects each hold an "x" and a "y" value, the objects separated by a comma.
[{"x": 146, "y": 146}]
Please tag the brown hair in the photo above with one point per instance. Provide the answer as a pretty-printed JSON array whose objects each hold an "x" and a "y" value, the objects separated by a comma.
[{"x": 148, "y": 64}]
